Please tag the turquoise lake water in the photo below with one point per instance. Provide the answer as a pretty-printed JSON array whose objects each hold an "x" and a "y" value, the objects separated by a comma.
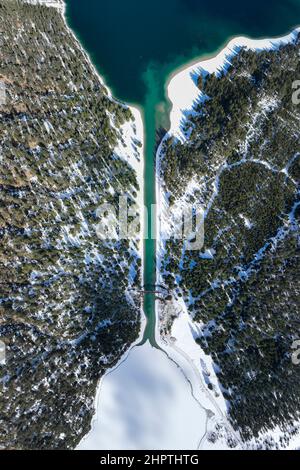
[{"x": 137, "y": 44}]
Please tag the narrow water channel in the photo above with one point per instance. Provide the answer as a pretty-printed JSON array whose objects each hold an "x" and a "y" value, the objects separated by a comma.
[
  {"x": 137, "y": 45},
  {"x": 148, "y": 401},
  {"x": 153, "y": 120}
]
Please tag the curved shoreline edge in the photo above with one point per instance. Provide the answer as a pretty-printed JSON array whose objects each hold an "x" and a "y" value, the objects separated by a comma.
[
  {"x": 183, "y": 93},
  {"x": 182, "y": 106},
  {"x": 137, "y": 166},
  {"x": 181, "y": 87},
  {"x": 130, "y": 132},
  {"x": 137, "y": 133}
]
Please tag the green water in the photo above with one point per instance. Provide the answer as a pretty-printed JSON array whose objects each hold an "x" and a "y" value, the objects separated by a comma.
[
  {"x": 137, "y": 44},
  {"x": 150, "y": 199}
]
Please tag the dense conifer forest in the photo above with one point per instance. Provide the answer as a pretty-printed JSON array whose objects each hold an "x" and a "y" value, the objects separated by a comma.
[
  {"x": 241, "y": 157},
  {"x": 66, "y": 313}
]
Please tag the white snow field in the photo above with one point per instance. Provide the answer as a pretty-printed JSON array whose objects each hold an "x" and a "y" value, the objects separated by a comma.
[{"x": 145, "y": 403}]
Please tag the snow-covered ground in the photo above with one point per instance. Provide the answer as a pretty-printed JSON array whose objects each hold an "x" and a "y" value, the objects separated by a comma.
[
  {"x": 184, "y": 94},
  {"x": 2, "y": 353},
  {"x": 130, "y": 148},
  {"x": 131, "y": 133},
  {"x": 146, "y": 403},
  {"x": 48, "y": 3},
  {"x": 182, "y": 88}
]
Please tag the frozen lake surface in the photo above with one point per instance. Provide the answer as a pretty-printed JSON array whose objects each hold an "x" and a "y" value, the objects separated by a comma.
[{"x": 145, "y": 403}]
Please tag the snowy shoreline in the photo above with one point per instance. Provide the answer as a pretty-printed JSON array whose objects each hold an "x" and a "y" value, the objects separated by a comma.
[
  {"x": 59, "y": 4},
  {"x": 182, "y": 90},
  {"x": 145, "y": 403},
  {"x": 130, "y": 132},
  {"x": 184, "y": 94}
]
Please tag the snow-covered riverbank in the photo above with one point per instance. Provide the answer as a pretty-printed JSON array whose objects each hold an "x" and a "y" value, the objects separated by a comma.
[
  {"x": 184, "y": 94},
  {"x": 146, "y": 401},
  {"x": 139, "y": 403}
]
